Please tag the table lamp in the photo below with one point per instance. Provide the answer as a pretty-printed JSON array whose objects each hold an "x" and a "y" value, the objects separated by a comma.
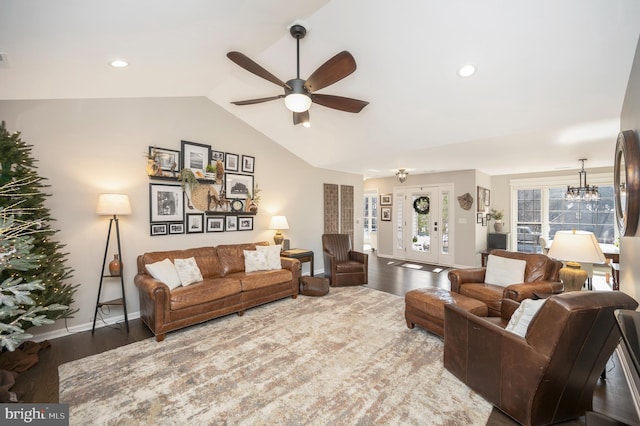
[
  {"x": 278, "y": 223},
  {"x": 575, "y": 247}
]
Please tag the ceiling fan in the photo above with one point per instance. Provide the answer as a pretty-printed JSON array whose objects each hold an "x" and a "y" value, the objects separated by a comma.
[{"x": 299, "y": 94}]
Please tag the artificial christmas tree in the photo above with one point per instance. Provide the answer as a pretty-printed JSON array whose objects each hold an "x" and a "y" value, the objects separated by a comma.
[{"x": 23, "y": 193}]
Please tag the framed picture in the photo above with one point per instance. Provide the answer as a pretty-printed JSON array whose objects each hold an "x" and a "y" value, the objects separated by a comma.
[
  {"x": 484, "y": 199},
  {"x": 248, "y": 164},
  {"x": 385, "y": 213},
  {"x": 176, "y": 228},
  {"x": 195, "y": 156},
  {"x": 231, "y": 162},
  {"x": 158, "y": 229},
  {"x": 215, "y": 224},
  {"x": 165, "y": 203},
  {"x": 231, "y": 223},
  {"x": 386, "y": 199},
  {"x": 479, "y": 217},
  {"x": 195, "y": 223},
  {"x": 237, "y": 185},
  {"x": 167, "y": 159},
  {"x": 217, "y": 156},
  {"x": 245, "y": 223}
]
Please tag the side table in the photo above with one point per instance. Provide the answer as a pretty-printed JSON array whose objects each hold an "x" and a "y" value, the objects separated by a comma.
[{"x": 303, "y": 255}]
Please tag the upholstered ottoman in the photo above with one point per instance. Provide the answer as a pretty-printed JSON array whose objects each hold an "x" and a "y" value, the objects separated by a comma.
[
  {"x": 311, "y": 286},
  {"x": 425, "y": 307}
]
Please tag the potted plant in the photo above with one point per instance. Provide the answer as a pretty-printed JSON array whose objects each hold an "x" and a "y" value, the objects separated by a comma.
[
  {"x": 188, "y": 179},
  {"x": 211, "y": 172},
  {"x": 497, "y": 216}
]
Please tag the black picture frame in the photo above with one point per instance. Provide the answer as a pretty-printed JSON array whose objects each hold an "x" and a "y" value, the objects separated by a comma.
[
  {"x": 217, "y": 155},
  {"x": 479, "y": 217},
  {"x": 245, "y": 223},
  {"x": 176, "y": 228},
  {"x": 195, "y": 223},
  {"x": 248, "y": 164},
  {"x": 195, "y": 156},
  {"x": 238, "y": 185},
  {"x": 230, "y": 223},
  {"x": 215, "y": 224},
  {"x": 483, "y": 199},
  {"x": 166, "y": 203},
  {"x": 385, "y": 214},
  {"x": 168, "y": 159},
  {"x": 386, "y": 199},
  {"x": 231, "y": 162},
  {"x": 157, "y": 229}
]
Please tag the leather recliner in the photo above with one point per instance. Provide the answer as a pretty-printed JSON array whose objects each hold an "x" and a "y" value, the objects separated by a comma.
[
  {"x": 547, "y": 376},
  {"x": 342, "y": 265},
  {"x": 541, "y": 274}
]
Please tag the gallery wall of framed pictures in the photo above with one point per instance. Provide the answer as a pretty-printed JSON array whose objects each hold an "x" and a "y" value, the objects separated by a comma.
[{"x": 224, "y": 200}]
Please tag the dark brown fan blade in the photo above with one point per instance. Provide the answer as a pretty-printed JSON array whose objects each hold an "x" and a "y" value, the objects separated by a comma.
[
  {"x": 339, "y": 102},
  {"x": 300, "y": 117},
  {"x": 249, "y": 65},
  {"x": 335, "y": 69},
  {"x": 257, "y": 101}
]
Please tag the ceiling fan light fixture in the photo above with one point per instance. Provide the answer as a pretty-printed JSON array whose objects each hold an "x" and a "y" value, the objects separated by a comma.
[
  {"x": 297, "y": 102},
  {"x": 402, "y": 175}
]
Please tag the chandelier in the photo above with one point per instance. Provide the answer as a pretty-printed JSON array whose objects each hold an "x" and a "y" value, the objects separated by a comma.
[
  {"x": 584, "y": 191},
  {"x": 402, "y": 175}
]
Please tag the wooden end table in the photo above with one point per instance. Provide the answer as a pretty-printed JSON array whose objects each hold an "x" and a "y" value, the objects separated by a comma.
[{"x": 303, "y": 255}]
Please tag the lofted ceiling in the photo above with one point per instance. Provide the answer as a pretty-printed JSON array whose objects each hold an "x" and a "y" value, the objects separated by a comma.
[{"x": 550, "y": 82}]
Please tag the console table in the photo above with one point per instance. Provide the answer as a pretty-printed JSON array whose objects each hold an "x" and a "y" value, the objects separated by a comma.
[{"x": 303, "y": 255}]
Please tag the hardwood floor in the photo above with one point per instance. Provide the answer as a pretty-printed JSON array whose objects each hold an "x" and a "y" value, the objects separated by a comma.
[{"x": 40, "y": 384}]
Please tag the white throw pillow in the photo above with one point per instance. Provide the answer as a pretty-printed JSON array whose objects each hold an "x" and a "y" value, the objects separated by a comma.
[
  {"x": 519, "y": 322},
  {"x": 273, "y": 255},
  {"x": 188, "y": 271},
  {"x": 166, "y": 272},
  {"x": 503, "y": 271},
  {"x": 255, "y": 260}
]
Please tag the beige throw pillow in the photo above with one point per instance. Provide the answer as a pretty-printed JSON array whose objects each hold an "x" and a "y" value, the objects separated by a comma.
[
  {"x": 188, "y": 271},
  {"x": 255, "y": 260},
  {"x": 503, "y": 271},
  {"x": 166, "y": 272},
  {"x": 519, "y": 322},
  {"x": 273, "y": 255}
]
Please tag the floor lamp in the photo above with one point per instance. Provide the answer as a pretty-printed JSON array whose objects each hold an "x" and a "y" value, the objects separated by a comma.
[
  {"x": 575, "y": 247},
  {"x": 112, "y": 205}
]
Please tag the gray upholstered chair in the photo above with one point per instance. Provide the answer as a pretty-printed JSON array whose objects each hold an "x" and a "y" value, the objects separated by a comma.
[{"x": 342, "y": 265}]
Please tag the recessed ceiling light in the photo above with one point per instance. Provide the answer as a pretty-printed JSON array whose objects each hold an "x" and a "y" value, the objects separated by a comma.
[
  {"x": 119, "y": 63},
  {"x": 467, "y": 70}
]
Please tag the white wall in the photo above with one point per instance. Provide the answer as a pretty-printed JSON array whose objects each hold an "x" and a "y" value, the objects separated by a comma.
[{"x": 86, "y": 147}]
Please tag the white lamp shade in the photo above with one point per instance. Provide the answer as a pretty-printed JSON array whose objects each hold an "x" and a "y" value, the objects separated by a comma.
[
  {"x": 279, "y": 222},
  {"x": 297, "y": 102},
  {"x": 113, "y": 204},
  {"x": 576, "y": 246}
]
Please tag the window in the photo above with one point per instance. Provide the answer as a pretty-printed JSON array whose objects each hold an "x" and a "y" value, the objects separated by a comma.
[{"x": 541, "y": 210}]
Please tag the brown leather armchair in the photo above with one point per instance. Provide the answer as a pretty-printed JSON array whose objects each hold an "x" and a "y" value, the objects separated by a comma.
[
  {"x": 541, "y": 274},
  {"x": 547, "y": 376},
  {"x": 342, "y": 265}
]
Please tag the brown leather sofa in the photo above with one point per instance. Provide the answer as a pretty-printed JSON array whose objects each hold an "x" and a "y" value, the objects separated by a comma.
[
  {"x": 549, "y": 375},
  {"x": 342, "y": 265},
  {"x": 226, "y": 288},
  {"x": 541, "y": 275}
]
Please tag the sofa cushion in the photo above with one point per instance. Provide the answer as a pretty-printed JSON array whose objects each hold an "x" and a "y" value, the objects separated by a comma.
[
  {"x": 165, "y": 271},
  {"x": 504, "y": 271},
  {"x": 349, "y": 266},
  {"x": 188, "y": 271},
  {"x": 519, "y": 322},
  {"x": 231, "y": 257},
  {"x": 273, "y": 255},
  {"x": 255, "y": 280},
  {"x": 204, "y": 291},
  {"x": 491, "y": 295},
  {"x": 255, "y": 260}
]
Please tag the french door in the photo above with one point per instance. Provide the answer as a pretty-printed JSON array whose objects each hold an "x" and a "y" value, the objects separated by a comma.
[{"x": 422, "y": 224}]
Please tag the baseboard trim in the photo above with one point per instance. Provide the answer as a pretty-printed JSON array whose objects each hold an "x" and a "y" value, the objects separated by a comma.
[{"x": 66, "y": 331}]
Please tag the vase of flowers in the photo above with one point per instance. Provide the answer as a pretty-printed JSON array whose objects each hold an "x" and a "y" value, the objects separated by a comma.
[{"x": 498, "y": 226}]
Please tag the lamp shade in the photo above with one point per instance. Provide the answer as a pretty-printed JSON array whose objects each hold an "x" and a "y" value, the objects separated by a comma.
[
  {"x": 113, "y": 204},
  {"x": 576, "y": 246},
  {"x": 279, "y": 222}
]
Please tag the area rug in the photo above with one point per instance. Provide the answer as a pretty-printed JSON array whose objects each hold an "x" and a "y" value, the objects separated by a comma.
[
  {"x": 346, "y": 358},
  {"x": 436, "y": 269}
]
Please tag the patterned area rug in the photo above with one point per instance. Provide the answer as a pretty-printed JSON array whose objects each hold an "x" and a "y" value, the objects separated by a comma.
[{"x": 346, "y": 358}]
